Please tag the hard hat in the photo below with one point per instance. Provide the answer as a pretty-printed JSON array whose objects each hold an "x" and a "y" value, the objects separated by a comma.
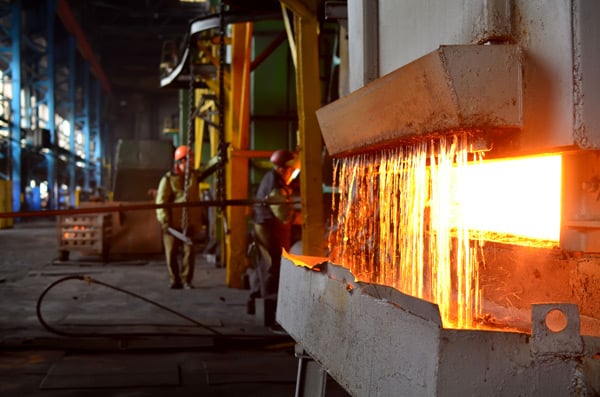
[
  {"x": 181, "y": 152},
  {"x": 281, "y": 158}
]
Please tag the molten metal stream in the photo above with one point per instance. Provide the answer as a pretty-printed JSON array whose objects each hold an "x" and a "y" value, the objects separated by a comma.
[{"x": 405, "y": 219}]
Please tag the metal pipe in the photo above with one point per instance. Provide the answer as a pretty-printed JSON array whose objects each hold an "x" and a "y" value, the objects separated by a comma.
[{"x": 139, "y": 207}]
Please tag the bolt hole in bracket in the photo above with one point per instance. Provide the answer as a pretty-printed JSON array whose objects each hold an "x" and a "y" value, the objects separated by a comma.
[{"x": 555, "y": 329}]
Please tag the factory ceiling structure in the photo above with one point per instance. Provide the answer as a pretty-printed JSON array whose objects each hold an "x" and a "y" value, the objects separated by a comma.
[{"x": 129, "y": 37}]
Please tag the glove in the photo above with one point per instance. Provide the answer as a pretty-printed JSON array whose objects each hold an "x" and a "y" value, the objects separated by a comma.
[{"x": 283, "y": 212}]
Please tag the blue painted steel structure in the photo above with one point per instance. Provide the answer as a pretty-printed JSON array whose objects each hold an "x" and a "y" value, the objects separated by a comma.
[
  {"x": 34, "y": 44},
  {"x": 85, "y": 120},
  {"x": 72, "y": 66},
  {"x": 11, "y": 55},
  {"x": 97, "y": 127},
  {"x": 40, "y": 80},
  {"x": 51, "y": 103},
  {"x": 15, "y": 106}
]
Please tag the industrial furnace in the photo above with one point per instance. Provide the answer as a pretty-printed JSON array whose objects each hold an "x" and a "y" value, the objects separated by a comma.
[{"x": 464, "y": 257}]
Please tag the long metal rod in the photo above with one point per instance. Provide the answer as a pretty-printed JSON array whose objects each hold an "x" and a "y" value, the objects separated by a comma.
[
  {"x": 139, "y": 207},
  {"x": 181, "y": 236}
]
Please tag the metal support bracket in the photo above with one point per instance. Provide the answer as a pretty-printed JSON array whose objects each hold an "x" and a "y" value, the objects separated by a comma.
[
  {"x": 555, "y": 330},
  {"x": 312, "y": 378}
]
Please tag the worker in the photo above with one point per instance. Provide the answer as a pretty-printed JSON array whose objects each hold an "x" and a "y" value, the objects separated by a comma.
[
  {"x": 178, "y": 228},
  {"x": 272, "y": 225}
]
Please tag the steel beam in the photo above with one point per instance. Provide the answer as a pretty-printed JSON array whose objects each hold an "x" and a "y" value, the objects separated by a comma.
[
  {"x": 364, "y": 56},
  {"x": 309, "y": 100},
  {"x": 303, "y": 9},
  {"x": 97, "y": 127},
  {"x": 311, "y": 380},
  {"x": 238, "y": 121},
  {"x": 15, "y": 106},
  {"x": 51, "y": 103},
  {"x": 86, "y": 126},
  {"x": 72, "y": 53}
]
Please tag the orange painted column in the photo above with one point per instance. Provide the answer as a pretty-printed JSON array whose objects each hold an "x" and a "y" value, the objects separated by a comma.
[{"x": 237, "y": 169}]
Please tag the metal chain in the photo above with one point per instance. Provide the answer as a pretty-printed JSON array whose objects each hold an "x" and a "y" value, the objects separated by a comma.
[
  {"x": 221, "y": 106},
  {"x": 190, "y": 141}
]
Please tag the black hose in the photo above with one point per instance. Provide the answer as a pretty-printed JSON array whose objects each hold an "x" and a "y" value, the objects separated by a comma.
[{"x": 91, "y": 280}]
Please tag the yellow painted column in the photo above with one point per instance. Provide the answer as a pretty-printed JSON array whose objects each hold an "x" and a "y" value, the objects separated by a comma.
[
  {"x": 198, "y": 129},
  {"x": 309, "y": 100},
  {"x": 237, "y": 169},
  {"x": 6, "y": 203}
]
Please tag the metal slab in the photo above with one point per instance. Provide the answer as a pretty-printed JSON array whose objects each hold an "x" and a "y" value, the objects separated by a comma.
[
  {"x": 348, "y": 331},
  {"x": 376, "y": 341},
  {"x": 456, "y": 87}
]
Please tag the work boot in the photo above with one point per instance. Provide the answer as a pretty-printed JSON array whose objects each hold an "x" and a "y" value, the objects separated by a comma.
[{"x": 175, "y": 285}]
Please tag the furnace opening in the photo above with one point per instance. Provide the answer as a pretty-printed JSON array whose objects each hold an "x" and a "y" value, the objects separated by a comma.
[
  {"x": 513, "y": 200},
  {"x": 417, "y": 217}
]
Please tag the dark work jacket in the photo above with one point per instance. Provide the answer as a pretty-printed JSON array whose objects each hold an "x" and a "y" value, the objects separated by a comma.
[{"x": 271, "y": 181}]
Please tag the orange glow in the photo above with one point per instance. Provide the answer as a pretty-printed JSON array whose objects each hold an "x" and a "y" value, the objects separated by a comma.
[
  {"x": 519, "y": 197},
  {"x": 309, "y": 262},
  {"x": 416, "y": 218}
]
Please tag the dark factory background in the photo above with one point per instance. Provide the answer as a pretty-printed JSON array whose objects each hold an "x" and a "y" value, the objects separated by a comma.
[
  {"x": 445, "y": 217},
  {"x": 105, "y": 94}
]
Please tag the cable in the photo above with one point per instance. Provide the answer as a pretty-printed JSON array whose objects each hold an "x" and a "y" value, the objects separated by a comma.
[{"x": 91, "y": 280}]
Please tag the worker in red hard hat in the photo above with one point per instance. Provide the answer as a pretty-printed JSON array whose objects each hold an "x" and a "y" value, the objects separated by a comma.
[
  {"x": 179, "y": 225},
  {"x": 272, "y": 225}
]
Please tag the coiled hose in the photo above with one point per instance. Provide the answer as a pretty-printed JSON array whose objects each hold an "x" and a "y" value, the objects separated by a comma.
[{"x": 94, "y": 281}]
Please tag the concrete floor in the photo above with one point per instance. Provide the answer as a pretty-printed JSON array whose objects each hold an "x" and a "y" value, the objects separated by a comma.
[{"x": 104, "y": 342}]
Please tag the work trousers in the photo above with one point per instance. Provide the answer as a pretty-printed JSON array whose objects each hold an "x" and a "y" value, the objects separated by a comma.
[
  {"x": 272, "y": 236},
  {"x": 172, "y": 246}
]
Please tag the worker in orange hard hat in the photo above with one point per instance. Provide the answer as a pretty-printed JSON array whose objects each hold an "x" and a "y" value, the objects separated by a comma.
[
  {"x": 181, "y": 152},
  {"x": 180, "y": 226},
  {"x": 272, "y": 225}
]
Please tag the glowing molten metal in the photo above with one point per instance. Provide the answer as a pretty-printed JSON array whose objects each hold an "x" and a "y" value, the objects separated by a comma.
[{"x": 416, "y": 218}]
